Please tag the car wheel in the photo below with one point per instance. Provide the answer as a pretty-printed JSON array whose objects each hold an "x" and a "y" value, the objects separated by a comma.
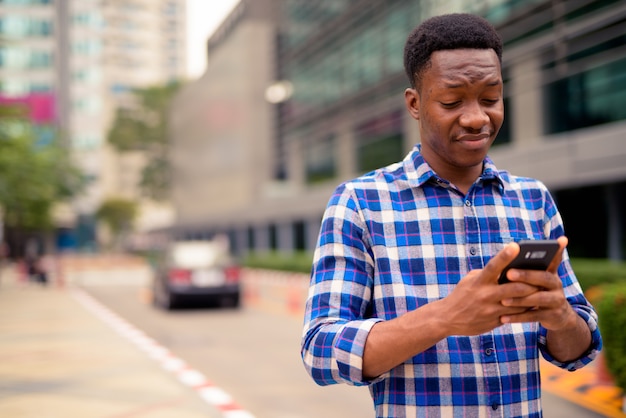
[
  {"x": 163, "y": 298},
  {"x": 230, "y": 301}
]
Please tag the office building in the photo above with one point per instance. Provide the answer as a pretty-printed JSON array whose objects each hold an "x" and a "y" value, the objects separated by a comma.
[{"x": 343, "y": 113}]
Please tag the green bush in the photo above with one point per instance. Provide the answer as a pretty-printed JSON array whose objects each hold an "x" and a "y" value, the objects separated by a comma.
[
  {"x": 611, "y": 307},
  {"x": 595, "y": 271},
  {"x": 590, "y": 272},
  {"x": 299, "y": 262}
]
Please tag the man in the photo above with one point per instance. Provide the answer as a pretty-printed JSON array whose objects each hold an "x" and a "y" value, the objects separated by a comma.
[{"x": 404, "y": 292}]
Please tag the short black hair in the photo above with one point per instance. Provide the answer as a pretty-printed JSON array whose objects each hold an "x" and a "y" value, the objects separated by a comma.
[{"x": 449, "y": 31}]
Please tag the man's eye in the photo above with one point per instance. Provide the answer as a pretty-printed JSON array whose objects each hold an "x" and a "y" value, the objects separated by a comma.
[{"x": 449, "y": 104}]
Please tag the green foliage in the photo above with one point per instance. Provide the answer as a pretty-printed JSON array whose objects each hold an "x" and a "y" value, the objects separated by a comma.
[
  {"x": 118, "y": 214},
  {"x": 590, "y": 272},
  {"x": 595, "y": 271},
  {"x": 611, "y": 307},
  {"x": 155, "y": 179},
  {"x": 299, "y": 262},
  {"x": 604, "y": 283},
  {"x": 143, "y": 127},
  {"x": 33, "y": 176}
]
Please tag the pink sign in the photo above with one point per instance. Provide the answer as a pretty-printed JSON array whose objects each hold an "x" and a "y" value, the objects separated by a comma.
[{"x": 41, "y": 106}]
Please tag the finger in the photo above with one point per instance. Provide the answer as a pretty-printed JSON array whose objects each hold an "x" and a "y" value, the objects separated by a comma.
[
  {"x": 529, "y": 314},
  {"x": 540, "y": 279},
  {"x": 558, "y": 257},
  {"x": 494, "y": 267}
]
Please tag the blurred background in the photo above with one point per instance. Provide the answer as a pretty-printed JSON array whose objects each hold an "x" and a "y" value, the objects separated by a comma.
[
  {"x": 128, "y": 124},
  {"x": 247, "y": 133},
  {"x": 240, "y": 117}
]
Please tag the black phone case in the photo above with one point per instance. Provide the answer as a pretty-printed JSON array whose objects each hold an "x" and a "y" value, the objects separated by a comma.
[{"x": 533, "y": 255}]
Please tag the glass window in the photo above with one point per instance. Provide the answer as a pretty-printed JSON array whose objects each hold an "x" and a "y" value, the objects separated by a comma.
[
  {"x": 40, "y": 59},
  {"x": 21, "y": 58},
  {"x": 89, "y": 76},
  {"x": 20, "y": 26},
  {"x": 380, "y": 142},
  {"x": 12, "y": 57},
  {"x": 398, "y": 27},
  {"x": 171, "y": 9},
  {"x": 14, "y": 88},
  {"x": 88, "y": 104},
  {"x": 86, "y": 141},
  {"x": 90, "y": 19},
  {"x": 24, "y": 2},
  {"x": 592, "y": 97},
  {"x": 320, "y": 160},
  {"x": 87, "y": 47},
  {"x": 40, "y": 87}
]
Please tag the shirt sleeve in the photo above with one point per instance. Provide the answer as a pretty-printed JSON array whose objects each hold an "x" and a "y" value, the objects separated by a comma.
[
  {"x": 336, "y": 324},
  {"x": 574, "y": 295}
]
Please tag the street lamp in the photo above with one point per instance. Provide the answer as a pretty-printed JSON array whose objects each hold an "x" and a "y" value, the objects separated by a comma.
[{"x": 279, "y": 92}]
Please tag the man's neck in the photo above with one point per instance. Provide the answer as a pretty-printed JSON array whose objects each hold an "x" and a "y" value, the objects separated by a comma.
[{"x": 462, "y": 178}]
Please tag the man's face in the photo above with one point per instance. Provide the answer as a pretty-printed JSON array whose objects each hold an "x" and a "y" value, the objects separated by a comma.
[{"x": 460, "y": 109}]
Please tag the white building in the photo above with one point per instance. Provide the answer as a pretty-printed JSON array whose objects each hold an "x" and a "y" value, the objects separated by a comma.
[{"x": 89, "y": 54}]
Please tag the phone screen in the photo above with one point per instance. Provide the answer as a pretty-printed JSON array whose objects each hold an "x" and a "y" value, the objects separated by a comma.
[{"x": 533, "y": 255}]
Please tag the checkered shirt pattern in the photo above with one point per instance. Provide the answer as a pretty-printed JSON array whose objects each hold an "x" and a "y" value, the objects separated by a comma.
[{"x": 400, "y": 237}]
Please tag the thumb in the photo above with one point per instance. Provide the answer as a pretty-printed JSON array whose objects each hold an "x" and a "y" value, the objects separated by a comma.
[
  {"x": 494, "y": 267},
  {"x": 556, "y": 261}
]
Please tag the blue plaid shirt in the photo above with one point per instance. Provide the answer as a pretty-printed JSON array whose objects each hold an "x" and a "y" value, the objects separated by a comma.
[{"x": 400, "y": 237}]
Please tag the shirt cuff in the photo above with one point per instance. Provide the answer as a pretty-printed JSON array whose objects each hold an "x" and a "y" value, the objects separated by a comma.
[
  {"x": 587, "y": 357},
  {"x": 349, "y": 349}
]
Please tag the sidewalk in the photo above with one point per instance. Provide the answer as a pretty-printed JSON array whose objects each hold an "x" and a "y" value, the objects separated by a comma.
[
  {"x": 57, "y": 359},
  {"x": 62, "y": 356}
]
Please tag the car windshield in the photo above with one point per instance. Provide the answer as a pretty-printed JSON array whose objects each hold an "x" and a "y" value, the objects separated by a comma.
[{"x": 198, "y": 254}]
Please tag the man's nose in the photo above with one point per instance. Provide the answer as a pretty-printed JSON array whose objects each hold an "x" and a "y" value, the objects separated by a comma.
[{"x": 474, "y": 117}]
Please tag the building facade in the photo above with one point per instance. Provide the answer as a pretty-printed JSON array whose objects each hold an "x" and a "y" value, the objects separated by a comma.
[
  {"x": 88, "y": 55},
  {"x": 565, "y": 105}
]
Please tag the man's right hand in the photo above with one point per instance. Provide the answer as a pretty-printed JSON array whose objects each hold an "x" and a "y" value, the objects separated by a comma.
[{"x": 475, "y": 305}]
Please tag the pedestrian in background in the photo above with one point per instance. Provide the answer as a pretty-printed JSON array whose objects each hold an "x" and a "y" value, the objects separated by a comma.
[{"x": 404, "y": 293}]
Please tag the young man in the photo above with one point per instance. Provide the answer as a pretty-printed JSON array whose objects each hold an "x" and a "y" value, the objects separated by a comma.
[{"x": 404, "y": 292}]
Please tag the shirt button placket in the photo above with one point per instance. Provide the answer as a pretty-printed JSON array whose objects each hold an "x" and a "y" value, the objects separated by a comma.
[
  {"x": 490, "y": 368},
  {"x": 472, "y": 235}
]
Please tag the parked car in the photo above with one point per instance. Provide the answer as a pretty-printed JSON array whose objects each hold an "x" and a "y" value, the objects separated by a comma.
[{"x": 198, "y": 272}]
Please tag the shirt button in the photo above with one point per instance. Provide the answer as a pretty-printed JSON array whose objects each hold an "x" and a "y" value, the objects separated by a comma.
[
  {"x": 468, "y": 203},
  {"x": 473, "y": 251},
  {"x": 489, "y": 351},
  {"x": 494, "y": 406}
]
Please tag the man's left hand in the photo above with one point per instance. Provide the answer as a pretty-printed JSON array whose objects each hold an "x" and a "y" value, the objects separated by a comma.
[{"x": 548, "y": 306}]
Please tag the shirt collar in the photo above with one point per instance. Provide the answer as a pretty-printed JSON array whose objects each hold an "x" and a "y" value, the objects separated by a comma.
[{"x": 419, "y": 172}]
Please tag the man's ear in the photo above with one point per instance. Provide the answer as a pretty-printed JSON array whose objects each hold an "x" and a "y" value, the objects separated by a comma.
[{"x": 412, "y": 101}]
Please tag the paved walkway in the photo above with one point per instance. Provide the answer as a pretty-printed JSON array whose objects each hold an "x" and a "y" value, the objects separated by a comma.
[
  {"x": 59, "y": 360},
  {"x": 60, "y": 356}
]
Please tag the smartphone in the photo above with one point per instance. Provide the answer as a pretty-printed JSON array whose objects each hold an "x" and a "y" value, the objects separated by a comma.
[{"x": 533, "y": 255}]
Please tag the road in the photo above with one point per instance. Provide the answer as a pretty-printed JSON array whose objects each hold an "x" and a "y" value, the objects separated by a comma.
[{"x": 253, "y": 354}]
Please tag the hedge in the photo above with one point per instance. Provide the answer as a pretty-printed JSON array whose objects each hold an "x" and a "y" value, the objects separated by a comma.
[
  {"x": 590, "y": 272},
  {"x": 299, "y": 261},
  {"x": 594, "y": 271},
  {"x": 610, "y": 303}
]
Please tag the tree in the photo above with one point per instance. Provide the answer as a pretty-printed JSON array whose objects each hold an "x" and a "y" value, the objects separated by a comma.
[
  {"x": 33, "y": 176},
  {"x": 119, "y": 215},
  {"x": 143, "y": 127}
]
